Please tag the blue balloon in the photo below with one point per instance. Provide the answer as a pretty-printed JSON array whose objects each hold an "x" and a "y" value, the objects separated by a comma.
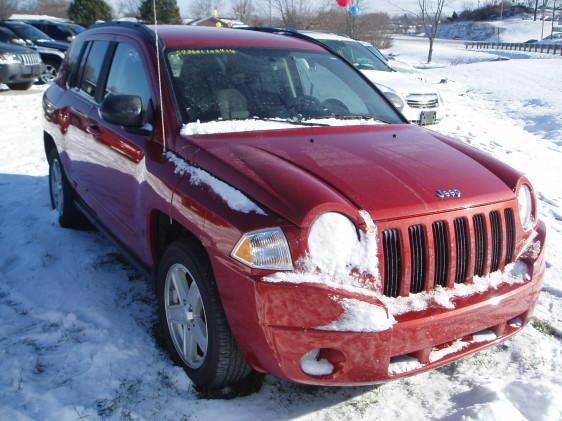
[{"x": 353, "y": 10}]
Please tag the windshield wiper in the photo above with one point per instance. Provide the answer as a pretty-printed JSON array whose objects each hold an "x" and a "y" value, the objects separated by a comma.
[{"x": 294, "y": 121}]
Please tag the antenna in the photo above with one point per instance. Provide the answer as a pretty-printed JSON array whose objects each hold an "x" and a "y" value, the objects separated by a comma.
[{"x": 157, "y": 40}]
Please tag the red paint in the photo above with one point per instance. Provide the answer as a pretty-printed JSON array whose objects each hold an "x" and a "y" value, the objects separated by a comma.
[{"x": 392, "y": 171}]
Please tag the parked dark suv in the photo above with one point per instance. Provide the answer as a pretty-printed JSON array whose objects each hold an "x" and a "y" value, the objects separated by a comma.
[
  {"x": 293, "y": 221},
  {"x": 19, "y": 66},
  {"x": 59, "y": 31},
  {"x": 51, "y": 51}
]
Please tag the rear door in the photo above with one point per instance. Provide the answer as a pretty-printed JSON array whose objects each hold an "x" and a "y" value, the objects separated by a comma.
[
  {"x": 118, "y": 153},
  {"x": 81, "y": 98}
]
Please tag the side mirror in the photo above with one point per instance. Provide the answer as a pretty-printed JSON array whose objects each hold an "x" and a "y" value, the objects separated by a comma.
[{"x": 124, "y": 110}]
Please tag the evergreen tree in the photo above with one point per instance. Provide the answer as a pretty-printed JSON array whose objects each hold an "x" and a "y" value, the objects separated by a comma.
[
  {"x": 167, "y": 11},
  {"x": 87, "y": 12},
  {"x": 455, "y": 16}
]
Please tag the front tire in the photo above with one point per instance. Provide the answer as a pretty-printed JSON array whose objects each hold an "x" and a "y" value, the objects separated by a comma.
[
  {"x": 50, "y": 71},
  {"x": 62, "y": 195},
  {"x": 193, "y": 322},
  {"x": 24, "y": 86}
]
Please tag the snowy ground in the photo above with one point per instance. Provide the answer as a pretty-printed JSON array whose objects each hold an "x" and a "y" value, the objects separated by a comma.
[{"x": 76, "y": 322}]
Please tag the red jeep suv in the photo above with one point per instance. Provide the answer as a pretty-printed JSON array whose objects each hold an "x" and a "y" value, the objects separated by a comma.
[{"x": 292, "y": 220}]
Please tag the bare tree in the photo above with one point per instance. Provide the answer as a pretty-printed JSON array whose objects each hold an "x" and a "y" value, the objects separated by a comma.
[
  {"x": 299, "y": 13},
  {"x": 430, "y": 14},
  {"x": 243, "y": 9},
  {"x": 202, "y": 8},
  {"x": 7, "y": 7}
]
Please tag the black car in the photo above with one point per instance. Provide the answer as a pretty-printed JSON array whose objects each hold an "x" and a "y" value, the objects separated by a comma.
[
  {"x": 33, "y": 36},
  {"x": 59, "y": 31},
  {"x": 19, "y": 66},
  {"x": 51, "y": 51}
]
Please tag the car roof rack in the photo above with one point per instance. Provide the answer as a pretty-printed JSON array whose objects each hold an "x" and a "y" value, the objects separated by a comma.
[{"x": 140, "y": 27}]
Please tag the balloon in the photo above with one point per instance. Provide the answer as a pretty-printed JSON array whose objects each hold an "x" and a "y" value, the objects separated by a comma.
[
  {"x": 214, "y": 13},
  {"x": 218, "y": 25},
  {"x": 343, "y": 3},
  {"x": 353, "y": 10}
]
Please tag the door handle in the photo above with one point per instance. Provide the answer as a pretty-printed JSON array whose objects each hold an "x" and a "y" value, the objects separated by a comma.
[{"x": 94, "y": 130}]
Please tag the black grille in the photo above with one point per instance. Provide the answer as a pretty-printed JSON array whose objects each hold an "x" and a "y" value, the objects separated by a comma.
[
  {"x": 462, "y": 249},
  {"x": 392, "y": 262},
  {"x": 417, "y": 251},
  {"x": 510, "y": 236},
  {"x": 479, "y": 244},
  {"x": 495, "y": 225},
  {"x": 441, "y": 255}
]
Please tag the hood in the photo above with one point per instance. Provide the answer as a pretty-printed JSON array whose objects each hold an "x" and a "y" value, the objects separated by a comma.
[
  {"x": 402, "y": 83},
  {"x": 392, "y": 171},
  {"x": 12, "y": 48},
  {"x": 57, "y": 45}
]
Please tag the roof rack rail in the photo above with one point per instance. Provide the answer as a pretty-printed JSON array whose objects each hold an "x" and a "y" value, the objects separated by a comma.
[{"x": 125, "y": 24}]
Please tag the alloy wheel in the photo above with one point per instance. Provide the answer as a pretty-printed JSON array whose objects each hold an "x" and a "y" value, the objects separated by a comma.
[{"x": 185, "y": 316}]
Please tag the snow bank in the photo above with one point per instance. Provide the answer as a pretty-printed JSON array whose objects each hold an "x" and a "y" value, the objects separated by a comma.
[
  {"x": 514, "y": 273},
  {"x": 235, "y": 199},
  {"x": 360, "y": 316},
  {"x": 313, "y": 366},
  {"x": 252, "y": 125}
]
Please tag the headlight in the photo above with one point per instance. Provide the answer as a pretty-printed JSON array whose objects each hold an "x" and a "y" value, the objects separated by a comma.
[
  {"x": 8, "y": 58},
  {"x": 332, "y": 241},
  {"x": 395, "y": 99},
  {"x": 264, "y": 249},
  {"x": 525, "y": 201}
]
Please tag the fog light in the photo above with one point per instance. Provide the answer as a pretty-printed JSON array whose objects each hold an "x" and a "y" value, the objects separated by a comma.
[{"x": 313, "y": 365}]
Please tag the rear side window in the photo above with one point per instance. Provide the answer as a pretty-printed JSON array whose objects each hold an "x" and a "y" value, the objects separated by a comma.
[
  {"x": 92, "y": 67},
  {"x": 127, "y": 75},
  {"x": 74, "y": 55}
]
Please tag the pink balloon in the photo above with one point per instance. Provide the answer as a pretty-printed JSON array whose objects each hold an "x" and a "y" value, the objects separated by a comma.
[{"x": 343, "y": 3}]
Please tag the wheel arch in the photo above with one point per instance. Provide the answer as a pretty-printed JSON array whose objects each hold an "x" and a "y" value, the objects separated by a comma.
[
  {"x": 164, "y": 230},
  {"x": 49, "y": 143}
]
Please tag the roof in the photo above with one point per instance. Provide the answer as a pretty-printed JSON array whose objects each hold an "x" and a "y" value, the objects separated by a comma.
[{"x": 181, "y": 35}]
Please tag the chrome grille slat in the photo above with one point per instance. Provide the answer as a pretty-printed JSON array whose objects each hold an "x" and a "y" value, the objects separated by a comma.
[
  {"x": 479, "y": 244},
  {"x": 392, "y": 262},
  {"x": 417, "y": 250}
]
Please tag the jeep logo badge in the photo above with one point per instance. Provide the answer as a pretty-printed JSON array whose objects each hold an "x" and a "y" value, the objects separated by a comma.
[{"x": 448, "y": 193}]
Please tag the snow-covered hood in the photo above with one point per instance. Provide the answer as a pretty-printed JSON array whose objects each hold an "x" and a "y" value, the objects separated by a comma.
[
  {"x": 400, "y": 82},
  {"x": 391, "y": 171}
]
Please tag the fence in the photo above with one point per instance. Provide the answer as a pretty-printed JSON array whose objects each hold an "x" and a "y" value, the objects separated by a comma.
[{"x": 514, "y": 46}]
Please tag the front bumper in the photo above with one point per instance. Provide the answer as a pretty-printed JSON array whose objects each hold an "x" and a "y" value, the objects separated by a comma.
[
  {"x": 413, "y": 114},
  {"x": 275, "y": 324},
  {"x": 19, "y": 73}
]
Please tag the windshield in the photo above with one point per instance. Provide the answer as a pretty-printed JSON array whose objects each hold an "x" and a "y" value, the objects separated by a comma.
[
  {"x": 25, "y": 31},
  {"x": 376, "y": 52},
  {"x": 357, "y": 54},
  {"x": 74, "y": 28},
  {"x": 292, "y": 85}
]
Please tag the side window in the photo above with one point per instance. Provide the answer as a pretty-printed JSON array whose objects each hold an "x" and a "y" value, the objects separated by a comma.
[
  {"x": 74, "y": 55},
  {"x": 127, "y": 75},
  {"x": 92, "y": 67}
]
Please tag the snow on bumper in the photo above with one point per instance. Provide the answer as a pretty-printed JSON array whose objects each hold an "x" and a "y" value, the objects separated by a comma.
[{"x": 300, "y": 318}]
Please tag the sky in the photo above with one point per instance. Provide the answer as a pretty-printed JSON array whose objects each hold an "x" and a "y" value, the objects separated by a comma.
[{"x": 388, "y": 6}]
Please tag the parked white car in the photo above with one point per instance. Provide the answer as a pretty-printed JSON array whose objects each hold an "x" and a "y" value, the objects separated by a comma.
[{"x": 419, "y": 101}]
